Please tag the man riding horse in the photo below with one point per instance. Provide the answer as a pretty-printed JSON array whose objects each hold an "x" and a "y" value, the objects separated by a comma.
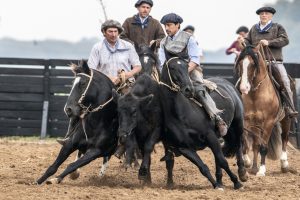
[
  {"x": 114, "y": 57},
  {"x": 184, "y": 45},
  {"x": 273, "y": 37}
]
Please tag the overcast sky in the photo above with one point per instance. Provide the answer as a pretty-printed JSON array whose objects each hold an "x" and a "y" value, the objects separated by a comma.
[{"x": 215, "y": 20}]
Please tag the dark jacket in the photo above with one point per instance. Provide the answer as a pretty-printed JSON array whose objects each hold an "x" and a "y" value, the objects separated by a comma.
[
  {"x": 276, "y": 36},
  {"x": 134, "y": 33}
]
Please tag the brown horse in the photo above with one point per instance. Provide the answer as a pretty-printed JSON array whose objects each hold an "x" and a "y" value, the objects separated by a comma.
[{"x": 264, "y": 112}]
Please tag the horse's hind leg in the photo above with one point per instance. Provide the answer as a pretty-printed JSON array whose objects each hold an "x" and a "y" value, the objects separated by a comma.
[
  {"x": 75, "y": 175},
  {"x": 285, "y": 125},
  {"x": 220, "y": 159},
  {"x": 89, "y": 156},
  {"x": 194, "y": 158},
  {"x": 64, "y": 153},
  {"x": 263, "y": 150}
]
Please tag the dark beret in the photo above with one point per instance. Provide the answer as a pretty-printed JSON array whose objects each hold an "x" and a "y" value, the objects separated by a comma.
[
  {"x": 171, "y": 18},
  {"x": 189, "y": 27},
  {"x": 242, "y": 29},
  {"x": 266, "y": 9},
  {"x": 139, "y": 2},
  {"x": 111, "y": 24}
]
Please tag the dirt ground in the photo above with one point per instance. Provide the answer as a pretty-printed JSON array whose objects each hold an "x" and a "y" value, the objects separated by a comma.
[{"x": 22, "y": 162}]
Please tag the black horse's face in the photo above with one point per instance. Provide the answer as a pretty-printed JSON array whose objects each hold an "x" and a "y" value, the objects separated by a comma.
[
  {"x": 147, "y": 58},
  {"x": 179, "y": 75},
  {"x": 72, "y": 107}
]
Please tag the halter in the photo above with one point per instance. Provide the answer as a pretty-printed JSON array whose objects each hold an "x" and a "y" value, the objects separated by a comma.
[
  {"x": 174, "y": 87},
  {"x": 87, "y": 108}
]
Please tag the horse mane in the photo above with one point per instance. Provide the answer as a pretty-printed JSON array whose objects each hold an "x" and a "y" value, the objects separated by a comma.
[
  {"x": 248, "y": 50},
  {"x": 81, "y": 67}
]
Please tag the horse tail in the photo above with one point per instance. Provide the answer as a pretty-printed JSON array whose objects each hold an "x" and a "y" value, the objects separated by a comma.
[{"x": 275, "y": 143}]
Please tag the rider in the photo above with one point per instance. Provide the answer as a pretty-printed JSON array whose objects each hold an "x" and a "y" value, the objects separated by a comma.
[
  {"x": 142, "y": 28},
  {"x": 235, "y": 47},
  {"x": 191, "y": 29},
  {"x": 184, "y": 45},
  {"x": 274, "y": 36},
  {"x": 112, "y": 55}
]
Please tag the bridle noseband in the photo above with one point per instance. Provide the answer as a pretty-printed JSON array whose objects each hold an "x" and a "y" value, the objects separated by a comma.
[
  {"x": 88, "y": 109},
  {"x": 174, "y": 87}
]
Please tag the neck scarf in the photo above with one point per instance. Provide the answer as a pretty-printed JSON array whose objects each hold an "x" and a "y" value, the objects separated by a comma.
[
  {"x": 138, "y": 21},
  {"x": 265, "y": 29}
]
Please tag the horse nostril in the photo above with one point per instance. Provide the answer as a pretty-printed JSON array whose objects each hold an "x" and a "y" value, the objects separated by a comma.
[{"x": 68, "y": 111}]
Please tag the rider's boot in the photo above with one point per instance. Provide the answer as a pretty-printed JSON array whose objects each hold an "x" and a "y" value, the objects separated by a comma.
[
  {"x": 288, "y": 99},
  {"x": 209, "y": 105}
]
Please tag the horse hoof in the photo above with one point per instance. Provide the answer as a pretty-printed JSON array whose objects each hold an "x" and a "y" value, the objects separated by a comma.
[
  {"x": 259, "y": 174},
  {"x": 285, "y": 169},
  {"x": 53, "y": 181},
  {"x": 170, "y": 185},
  {"x": 243, "y": 176},
  {"x": 220, "y": 189},
  {"x": 74, "y": 175},
  {"x": 238, "y": 185}
]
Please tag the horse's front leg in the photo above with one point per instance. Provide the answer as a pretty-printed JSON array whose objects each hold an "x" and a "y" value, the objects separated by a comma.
[
  {"x": 285, "y": 125},
  {"x": 104, "y": 166},
  {"x": 64, "y": 153},
  {"x": 89, "y": 156}
]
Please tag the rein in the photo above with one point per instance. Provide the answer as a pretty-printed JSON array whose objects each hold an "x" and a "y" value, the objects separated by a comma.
[{"x": 174, "y": 87}]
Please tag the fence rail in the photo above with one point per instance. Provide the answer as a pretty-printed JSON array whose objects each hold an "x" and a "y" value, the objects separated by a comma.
[{"x": 33, "y": 93}]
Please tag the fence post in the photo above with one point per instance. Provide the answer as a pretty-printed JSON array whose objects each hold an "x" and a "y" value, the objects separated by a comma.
[{"x": 46, "y": 100}]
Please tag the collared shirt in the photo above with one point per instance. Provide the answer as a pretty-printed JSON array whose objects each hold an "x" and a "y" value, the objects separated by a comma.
[
  {"x": 143, "y": 20},
  {"x": 109, "y": 60},
  {"x": 192, "y": 47}
]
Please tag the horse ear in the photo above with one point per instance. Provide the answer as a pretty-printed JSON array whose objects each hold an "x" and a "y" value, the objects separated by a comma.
[
  {"x": 146, "y": 100},
  {"x": 153, "y": 46},
  {"x": 85, "y": 67},
  {"x": 115, "y": 95}
]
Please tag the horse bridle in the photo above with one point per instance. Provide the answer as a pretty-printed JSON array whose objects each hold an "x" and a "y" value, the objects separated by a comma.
[
  {"x": 174, "y": 87},
  {"x": 88, "y": 109}
]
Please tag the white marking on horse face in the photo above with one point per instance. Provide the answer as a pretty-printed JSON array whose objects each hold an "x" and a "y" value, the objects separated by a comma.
[
  {"x": 178, "y": 62},
  {"x": 76, "y": 81},
  {"x": 245, "y": 85},
  {"x": 146, "y": 59}
]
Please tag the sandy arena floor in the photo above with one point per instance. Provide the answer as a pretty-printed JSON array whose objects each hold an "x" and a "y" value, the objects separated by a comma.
[{"x": 22, "y": 162}]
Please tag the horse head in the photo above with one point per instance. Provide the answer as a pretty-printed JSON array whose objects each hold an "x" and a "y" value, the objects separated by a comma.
[
  {"x": 175, "y": 75},
  {"x": 90, "y": 92},
  {"x": 148, "y": 58},
  {"x": 249, "y": 65}
]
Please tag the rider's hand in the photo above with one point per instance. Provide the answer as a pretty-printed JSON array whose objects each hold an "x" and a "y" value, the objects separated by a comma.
[
  {"x": 264, "y": 42},
  {"x": 115, "y": 80}
]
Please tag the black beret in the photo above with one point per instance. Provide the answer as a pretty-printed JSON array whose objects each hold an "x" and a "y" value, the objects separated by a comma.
[
  {"x": 242, "y": 29},
  {"x": 189, "y": 27},
  {"x": 171, "y": 18},
  {"x": 266, "y": 9},
  {"x": 139, "y": 2}
]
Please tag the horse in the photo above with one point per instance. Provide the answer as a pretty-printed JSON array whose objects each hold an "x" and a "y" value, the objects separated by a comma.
[
  {"x": 140, "y": 116},
  {"x": 90, "y": 100},
  {"x": 263, "y": 111},
  {"x": 188, "y": 127}
]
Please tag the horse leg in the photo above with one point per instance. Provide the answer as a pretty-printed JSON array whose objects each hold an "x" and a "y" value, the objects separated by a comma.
[
  {"x": 89, "y": 156},
  {"x": 64, "y": 153},
  {"x": 285, "y": 126},
  {"x": 255, "y": 148},
  {"x": 220, "y": 159},
  {"x": 245, "y": 149},
  {"x": 194, "y": 158},
  {"x": 263, "y": 150},
  {"x": 104, "y": 166},
  {"x": 219, "y": 174},
  {"x": 75, "y": 175}
]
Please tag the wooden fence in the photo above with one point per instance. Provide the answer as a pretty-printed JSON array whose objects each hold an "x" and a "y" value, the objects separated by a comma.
[{"x": 33, "y": 93}]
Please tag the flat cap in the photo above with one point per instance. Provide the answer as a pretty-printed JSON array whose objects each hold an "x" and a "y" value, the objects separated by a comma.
[
  {"x": 242, "y": 29},
  {"x": 266, "y": 9},
  {"x": 189, "y": 27},
  {"x": 111, "y": 24},
  {"x": 171, "y": 18},
  {"x": 139, "y": 2}
]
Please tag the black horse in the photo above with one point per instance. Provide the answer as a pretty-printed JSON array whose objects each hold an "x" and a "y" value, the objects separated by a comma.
[
  {"x": 91, "y": 102},
  {"x": 189, "y": 128}
]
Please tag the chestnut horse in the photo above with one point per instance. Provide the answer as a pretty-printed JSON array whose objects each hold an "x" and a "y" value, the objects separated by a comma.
[{"x": 264, "y": 112}]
